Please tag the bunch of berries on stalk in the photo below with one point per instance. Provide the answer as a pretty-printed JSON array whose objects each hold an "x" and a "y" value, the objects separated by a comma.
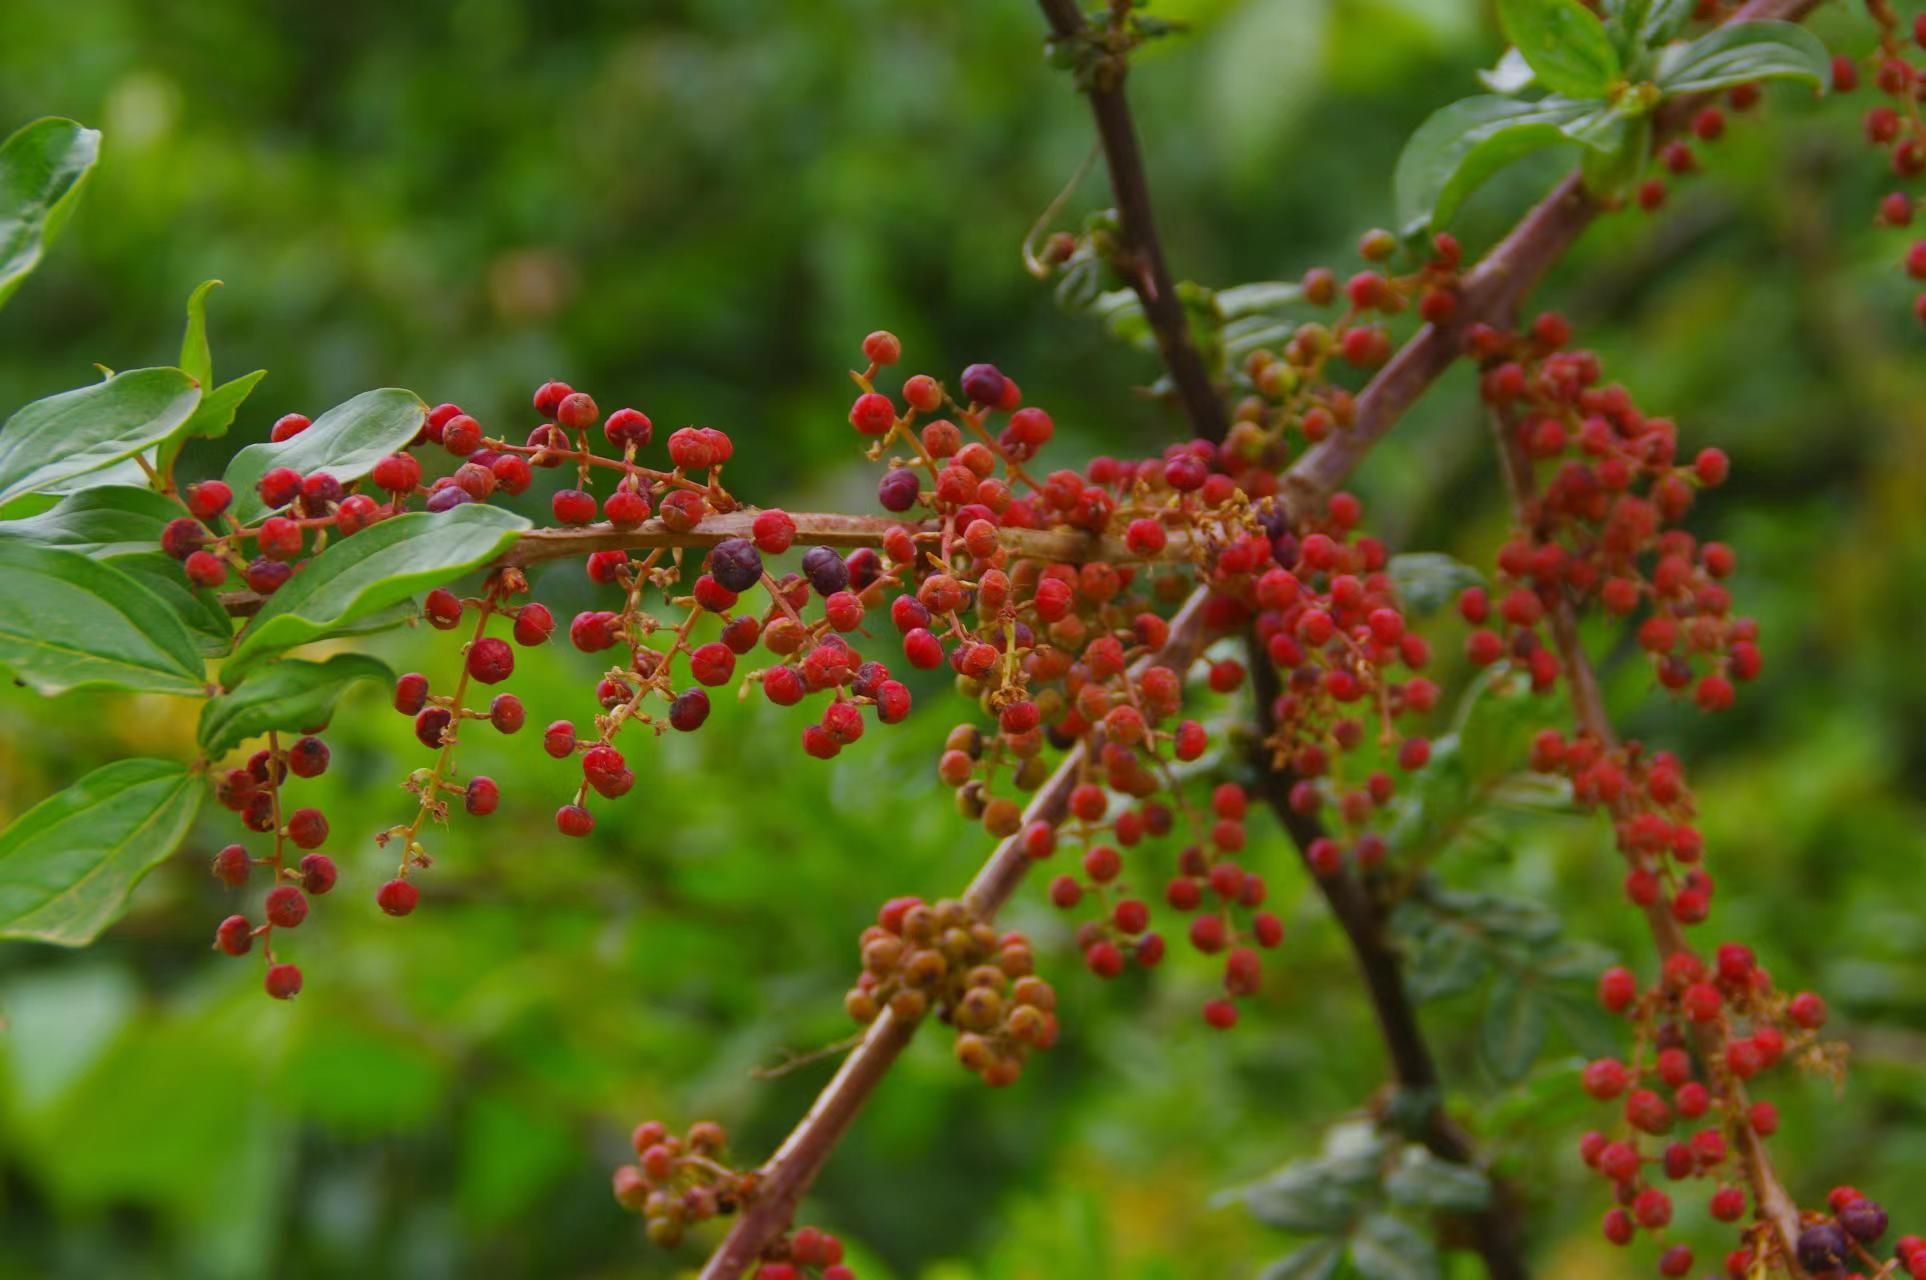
[
  {"x": 1702, "y": 1033},
  {"x": 919, "y": 959},
  {"x": 254, "y": 794}
]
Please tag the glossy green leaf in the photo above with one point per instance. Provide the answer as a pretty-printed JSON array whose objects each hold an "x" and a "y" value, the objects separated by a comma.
[
  {"x": 1427, "y": 581},
  {"x": 197, "y": 359},
  {"x": 78, "y": 432},
  {"x": 68, "y": 864},
  {"x": 68, "y": 622},
  {"x": 291, "y": 694},
  {"x": 1513, "y": 1028},
  {"x": 1741, "y": 52},
  {"x": 219, "y": 404},
  {"x": 41, "y": 168},
  {"x": 358, "y": 577},
  {"x": 345, "y": 442},
  {"x": 1567, "y": 47},
  {"x": 1460, "y": 146},
  {"x": 199, "y": 609},
  {"x": 111, "y": 520}
]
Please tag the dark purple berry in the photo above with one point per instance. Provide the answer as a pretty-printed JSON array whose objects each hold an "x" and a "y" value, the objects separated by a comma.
[
  {"x": 825, "y": 570},
  {"x": 736, "y": 564}
]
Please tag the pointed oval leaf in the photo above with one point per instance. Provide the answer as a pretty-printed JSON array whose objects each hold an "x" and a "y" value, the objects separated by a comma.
[
  {"x": 197, "y": 359},
  {"x": 1741, "y": 52},
  {"x": 112, "y": 520},
  {"x": 68, "y": 622},
  {"x": 362, "y": 575},
  {"x": 345, "y": 442},
  {"x": 292, "y": 694},
  {"x": 41, "y": 168},
  {"x": 1566, "y": 46},
  {"x": 1421, "y": 1180},
  {"x": 207, "y": 621},
  {"x": 1461, "y": 145},
  {"x": 77, "y": 432},
  {"x": 68, "y": 864}
]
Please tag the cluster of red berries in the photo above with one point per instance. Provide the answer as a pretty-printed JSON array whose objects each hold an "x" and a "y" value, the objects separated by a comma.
[
  {"x": 918, "y": 958},
  {"x": 1209, "y": 881},
  {"x": 677, "y": 1182},
  {"x": 253, "y": 793},
  {"x": 1293, "y": 391},
  {"x": 1651, "y": 809},
  {"x": 1896, "y": 126},
  {"x": 1602, "y": 526},
  {"x": 1327, "y": 618},
  {"x": 1701, "y": 1033},
  {"x": 486, "y": 660}
]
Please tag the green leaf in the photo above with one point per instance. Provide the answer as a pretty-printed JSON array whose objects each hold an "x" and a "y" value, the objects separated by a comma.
[
  {"x": 197, "y": 360},
  {"x": 68, "y": 622},
  {"x": 215, "y": 414},
  {"x": 76, "y": 432},
  {"x": 1566, "y": 45},
  {"x": 41, "y": 168},
  {"x": 1302, "y": 1197},
  {"x": 1513, "y": 1029},
  {"x": 68, "y": 864},
  {"x": 1421, "y": 1180},
  {"x": 345, "y": 442},
  {"x": 112, "y": 520},
  {"x": 1459, "y": 146},
  {"x": 1389, "y": 1248},
  {"x": 291, "y": 694},
  {"x": 359, "y": 576},
  {"x": 199, "y": 609},
  {"x": 218, "y": 404},
  {"x": 1740, "y": 52},
  {"x": 1317, "y": 1260}
]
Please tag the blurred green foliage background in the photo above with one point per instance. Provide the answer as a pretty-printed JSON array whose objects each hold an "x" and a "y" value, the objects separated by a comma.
[{"x": 699, "y": 208}]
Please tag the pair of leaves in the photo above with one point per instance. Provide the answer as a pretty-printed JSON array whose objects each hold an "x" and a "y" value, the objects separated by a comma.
[
  {"x": 41, "y": 169},
  {"x": 1561, "y": 46}
]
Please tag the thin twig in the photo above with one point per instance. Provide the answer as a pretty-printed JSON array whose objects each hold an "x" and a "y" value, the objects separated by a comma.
[{"x": 1143, "y": 253}]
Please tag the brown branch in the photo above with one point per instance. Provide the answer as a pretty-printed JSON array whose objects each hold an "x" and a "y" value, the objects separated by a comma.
[
  {"x": 1142, "y": 262},
  {"x": 1774, "y": 1204},
  {"x": 789, "y": 1172},
  {"x": 1494, "y": 1229}
]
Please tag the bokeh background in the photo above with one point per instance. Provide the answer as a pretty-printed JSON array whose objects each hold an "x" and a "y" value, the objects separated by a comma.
[{"x": 699, "y": 208}]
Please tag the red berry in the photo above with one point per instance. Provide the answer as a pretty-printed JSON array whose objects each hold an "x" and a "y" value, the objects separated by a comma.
[
  {"x": 283, "y": 981},
  {"x": 234, "y": 936},
  {"x": 287, "y": 906},
  {"x": 397, "y": 897}
]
